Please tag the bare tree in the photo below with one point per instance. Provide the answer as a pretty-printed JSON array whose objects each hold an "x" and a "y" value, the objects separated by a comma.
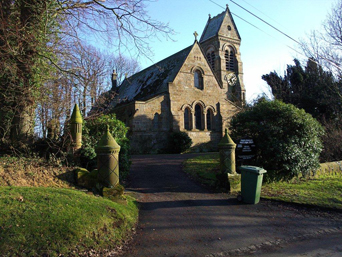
[
  {"x": 326, "y": 46},
  {"x": 123, "y": 24},
  {"x": 88, "y": 77},
  {"x": 35, "y": 34},
  {"x": 123, "y": 66},
  {"x": 53, "y": 104}
]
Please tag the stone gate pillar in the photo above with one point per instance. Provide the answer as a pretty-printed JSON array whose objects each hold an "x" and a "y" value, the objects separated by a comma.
[
  {"x": 227, "y": 162},
  {"x": 76, "y": 128},
  {"x": 107, "y": 151},
  {"x": 227, "y": 154}
]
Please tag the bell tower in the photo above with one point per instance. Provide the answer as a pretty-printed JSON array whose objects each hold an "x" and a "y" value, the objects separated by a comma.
[{"x": 220, "y": 42}]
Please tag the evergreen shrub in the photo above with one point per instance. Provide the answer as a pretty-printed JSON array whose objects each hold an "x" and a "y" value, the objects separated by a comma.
[
  {"x": 179, "y": 142},
  {"x": 93, "y": 130},
  {"x": 287, "y": 138}
]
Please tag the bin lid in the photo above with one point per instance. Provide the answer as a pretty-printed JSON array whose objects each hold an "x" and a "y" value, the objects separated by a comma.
[{"x": 252, "y": 169}]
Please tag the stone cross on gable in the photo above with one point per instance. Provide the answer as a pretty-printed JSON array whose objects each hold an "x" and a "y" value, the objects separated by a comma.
[{"x": 195, "y": 34}]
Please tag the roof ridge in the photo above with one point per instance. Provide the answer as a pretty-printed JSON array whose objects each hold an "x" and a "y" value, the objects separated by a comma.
[{"x": 216, "y": 16}]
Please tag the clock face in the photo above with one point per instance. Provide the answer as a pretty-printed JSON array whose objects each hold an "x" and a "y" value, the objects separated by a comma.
[{"x": 231, "y": 79}]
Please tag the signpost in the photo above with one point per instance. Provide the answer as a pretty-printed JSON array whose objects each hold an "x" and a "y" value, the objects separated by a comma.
[{"x": 245, "y": 149}]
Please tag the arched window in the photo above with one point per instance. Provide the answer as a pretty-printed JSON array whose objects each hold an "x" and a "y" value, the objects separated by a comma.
[
  {"x": 199, "y": 117},
  {"x": 198, "y": 79},
  {"x": 230, "y": 59},
  {"x": 187, "y": 119},
  {"x": 211, "y": 58},
  {"x": 210, "y": 119}
]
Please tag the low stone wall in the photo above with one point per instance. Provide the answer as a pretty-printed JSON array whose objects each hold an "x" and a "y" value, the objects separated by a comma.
[{"x": 329, "y": 168}]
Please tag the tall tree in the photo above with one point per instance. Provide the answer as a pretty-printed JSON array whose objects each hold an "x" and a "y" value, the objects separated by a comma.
[
  {"x": 309, "y": 87},
  {"x": 88, "y": 77},
  {"x": 53, "y": 104},
  {"x": 26, "y": 28},
  {"x": 123, "y": 66},
  {"x": 33, "y": 34},
  {"x": 325, "y": 45},
  {"x": 318, "y": 92}
]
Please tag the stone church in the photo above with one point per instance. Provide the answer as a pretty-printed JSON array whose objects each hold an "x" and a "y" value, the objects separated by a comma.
[{"x": 196, "y": 90}]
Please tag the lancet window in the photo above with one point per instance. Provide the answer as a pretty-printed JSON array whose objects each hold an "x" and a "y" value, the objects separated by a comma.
[
  {"x": 198, "y": 79},
  {"x": 230, "y": 59}
]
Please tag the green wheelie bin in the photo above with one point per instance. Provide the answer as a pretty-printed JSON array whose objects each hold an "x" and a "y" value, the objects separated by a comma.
[{"x": 251, "y": 181}]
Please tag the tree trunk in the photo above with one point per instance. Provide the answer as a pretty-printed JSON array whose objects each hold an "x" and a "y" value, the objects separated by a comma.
[{"x": 22, "y": 124}]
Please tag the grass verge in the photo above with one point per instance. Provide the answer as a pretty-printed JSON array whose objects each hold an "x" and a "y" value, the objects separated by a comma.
[
  {"x": 204, "y": 169},
  {"x": 54, "y": 222},
  {"x": 324, "y": 190}
]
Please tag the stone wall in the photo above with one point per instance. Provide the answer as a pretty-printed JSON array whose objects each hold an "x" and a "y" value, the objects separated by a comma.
[
  {"x": 151, "y": 121},
  {"x": 148, "y": 142},
  {"x": 204, "y": 141},
  {"x": 183, "y": 94},
  {"x": 148, "y": 122}
]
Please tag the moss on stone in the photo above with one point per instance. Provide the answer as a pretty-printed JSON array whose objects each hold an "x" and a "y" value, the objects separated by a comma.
[
  {"x": 115, "y": 194},
  {"x": 234, "y": 183},
  {"x": 86, "y": 179}
]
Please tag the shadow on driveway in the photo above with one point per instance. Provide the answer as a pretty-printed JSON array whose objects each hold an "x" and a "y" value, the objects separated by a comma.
[{"x": 178, "y": 217}]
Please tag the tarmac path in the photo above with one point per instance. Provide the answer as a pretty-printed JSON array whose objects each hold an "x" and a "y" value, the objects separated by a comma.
[{"x": 178, "y": 217}]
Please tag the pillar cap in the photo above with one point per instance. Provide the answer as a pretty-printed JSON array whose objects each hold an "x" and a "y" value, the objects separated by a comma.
[
  {"x": 76, "y": 116},
  {"x": 107, "y": 143},
  {"x": 226, "y": 140}
]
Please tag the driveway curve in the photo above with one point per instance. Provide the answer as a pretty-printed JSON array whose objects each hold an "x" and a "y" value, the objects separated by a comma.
[{"x": 178, "y": 217}]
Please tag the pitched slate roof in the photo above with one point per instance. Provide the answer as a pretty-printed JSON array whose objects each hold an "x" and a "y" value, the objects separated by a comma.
[
  {"x": 212, "y": 27},
  {"x": 214, "y": 24},
  {"x": 152, "y": 80}
]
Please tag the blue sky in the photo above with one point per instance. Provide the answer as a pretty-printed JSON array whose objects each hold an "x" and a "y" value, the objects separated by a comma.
[{"x": 261, "y": 51}]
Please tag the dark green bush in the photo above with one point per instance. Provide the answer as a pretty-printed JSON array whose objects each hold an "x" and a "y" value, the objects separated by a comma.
[
  {"x": 179, "y": 142},
  {"x": 93, "y": 130},
  {"x": 332, "y": 141},
  {"x": 287, "y": 138}
]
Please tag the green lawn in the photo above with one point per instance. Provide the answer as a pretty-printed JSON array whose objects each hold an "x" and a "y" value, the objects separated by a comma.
[
  {"x": 325, "y": 190},
  {"x": 203, "y": 168},
  {"x": 38, "y": 221},
  {"x": 322, "y": 191}
]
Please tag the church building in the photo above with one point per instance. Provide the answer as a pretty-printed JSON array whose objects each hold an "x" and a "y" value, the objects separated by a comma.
[{"x": 196, "y": 90}]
